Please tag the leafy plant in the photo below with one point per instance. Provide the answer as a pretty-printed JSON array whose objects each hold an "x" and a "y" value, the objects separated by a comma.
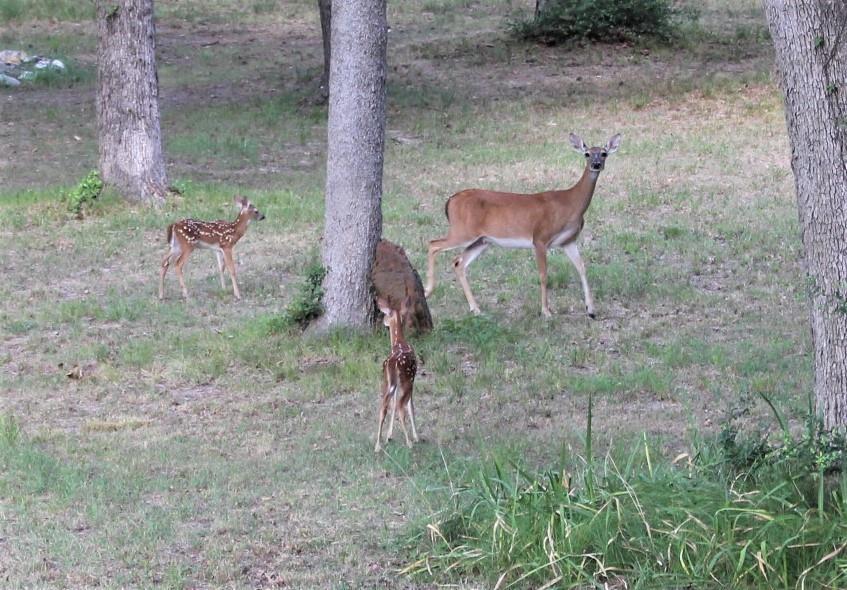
[
  {"x": 730, "y": 515},
  {"x": 85, "y": 192},
  {"x": 306, "y": 304},
  {"x": 611, "y": 20}
]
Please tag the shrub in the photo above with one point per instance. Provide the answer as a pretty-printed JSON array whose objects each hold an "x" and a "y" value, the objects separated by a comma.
[
  {"x": 609, "y": 20},
  {"x": 733, "y": 515},
  {"x": 306, "y": 304},
  {"x": 86, "y": 191}
]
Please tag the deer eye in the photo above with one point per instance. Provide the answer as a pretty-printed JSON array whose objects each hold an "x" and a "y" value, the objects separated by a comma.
[
  {"x": 603, "y": 155},
  {"x": 587, "y": 154}
]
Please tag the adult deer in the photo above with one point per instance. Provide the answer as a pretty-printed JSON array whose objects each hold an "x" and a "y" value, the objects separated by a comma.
[
  {"x": 219, "y": 236},
  {"x": 479, "y": 218},
  {"x": 398, "y": 375}
]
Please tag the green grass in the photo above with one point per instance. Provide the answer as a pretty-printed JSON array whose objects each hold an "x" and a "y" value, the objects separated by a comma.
[
  {"x": 636, "y": 518},
  {"x": 61, "y": 10}
]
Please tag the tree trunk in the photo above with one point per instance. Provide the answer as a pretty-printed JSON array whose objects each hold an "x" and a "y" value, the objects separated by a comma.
[
  {"x": 356, "y": 136},
  {"x": 325, "y": 8},
  {"x": 131, "y": 157},
  {"x": 811, "y": 58}
]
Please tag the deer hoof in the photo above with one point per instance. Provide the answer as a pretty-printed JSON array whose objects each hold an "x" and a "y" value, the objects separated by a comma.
[{"x": 592, "y": 315}]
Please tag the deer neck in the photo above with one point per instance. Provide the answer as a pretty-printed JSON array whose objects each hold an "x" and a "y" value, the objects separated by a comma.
[
  {"x": 241, "y": 222},
  {"x": 583, "y": 190},
  {"x": 395, "y": 331}
]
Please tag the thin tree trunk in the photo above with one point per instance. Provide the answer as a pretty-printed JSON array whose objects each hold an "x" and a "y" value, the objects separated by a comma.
[
  {"x": 356, "y": 136},
  {"x": 131, "y": 157},
  {"x": 325, "y": 8},
  {"x": 812, "y": 61}
]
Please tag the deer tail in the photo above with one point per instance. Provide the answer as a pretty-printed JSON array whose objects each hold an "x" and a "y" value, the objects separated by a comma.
[{"x": 170, "y": 233}]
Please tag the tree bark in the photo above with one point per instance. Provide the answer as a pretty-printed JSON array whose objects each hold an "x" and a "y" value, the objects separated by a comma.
[
  {"x": 540, "y": 8},
  {"x": 356, "y": 136},
  {"x": 325, "y": 8},
  {"x": 128, "y": 128},
  {"x": 812, "y": 62}
]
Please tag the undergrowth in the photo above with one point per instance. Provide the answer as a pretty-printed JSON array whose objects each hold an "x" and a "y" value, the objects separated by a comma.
[
  {"x": 306, "y": 304},
  {"x": 88, "y": 189},
  {"x": 638, "y": 520},
  {"x": 609, "y": 21}
]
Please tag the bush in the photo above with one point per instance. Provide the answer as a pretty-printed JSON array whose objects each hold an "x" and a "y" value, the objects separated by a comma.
[
  {"x": 735, "y": 514},
  {"x": 306, "y": 304},
  {"x": 86, "y": 191},
  {"x": 609, "y": 20}
]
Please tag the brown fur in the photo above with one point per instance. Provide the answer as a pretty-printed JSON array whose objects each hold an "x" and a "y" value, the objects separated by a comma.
[
  {"x": 220, "y": 236},
  {"x": 398, "y": 377},
  {"x": 479, "y": 218},
  {"x": 394, "y": 278}
]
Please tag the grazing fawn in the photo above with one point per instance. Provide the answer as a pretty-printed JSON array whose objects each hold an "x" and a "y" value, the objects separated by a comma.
[
  {"x": 398, "y": 375},
  {"x": 479, "y": 218},
  {"x": 219, "y": 236}
]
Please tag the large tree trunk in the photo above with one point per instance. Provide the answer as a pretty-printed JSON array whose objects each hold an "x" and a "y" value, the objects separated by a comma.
[
  {"x": 325, "y": 8},
  {"x": 812, "y": 62},
  {"x": 131, "y": 157},
  {"x": 356, "y": 135}
]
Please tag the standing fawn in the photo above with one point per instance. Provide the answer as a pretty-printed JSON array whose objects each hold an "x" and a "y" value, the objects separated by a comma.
[
  {"x": 219, "y": 236},
  {"x": 479, "y": 218},
  {"x": 398, "y": 375}
]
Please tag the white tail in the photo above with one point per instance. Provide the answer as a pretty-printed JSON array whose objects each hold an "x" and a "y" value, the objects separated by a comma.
[
  {"x": 398, "y": 375},
  {"x": 219, "y": 236},
  {"x": 479, "y": 218}
]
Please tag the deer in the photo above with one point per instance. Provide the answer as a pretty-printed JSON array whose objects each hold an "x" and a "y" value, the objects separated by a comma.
[
  {"x": 398, "y": 375},
  {"x": 219, "y": 236},
  {"x": 540, "y": 221}
]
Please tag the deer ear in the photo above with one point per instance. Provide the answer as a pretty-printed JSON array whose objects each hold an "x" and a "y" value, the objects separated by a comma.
[
  {"x": 614, "y": 143},
  {"x": 577, "y": 143},
  {"x": 240, "y": 201}
]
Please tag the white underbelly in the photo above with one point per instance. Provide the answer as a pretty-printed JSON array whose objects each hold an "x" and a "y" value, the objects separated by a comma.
[
  {"x": 206, "y": 245},
  {"x": 561, "y": 238},
  {"x": 511, "y": 242}
]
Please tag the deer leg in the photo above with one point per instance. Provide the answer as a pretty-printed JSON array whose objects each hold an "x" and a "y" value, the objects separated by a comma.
[
  {"x": 230, "y": 266},
  {"x": 180, "y": 262},
  {"x": 573, "y": 253},
  {"x": 401, "y": 411},
  {"x": 391, "y": 399},
  {"x": 436, "y": 246},
  {"x": 166, "y": 262},
  {"x": 541, "y": 260},
  {"x": 383, "y": 410},
  {"x": 410, "y": 409},
  {"x": 220, "y": 258},
  {"x": 461, "y": 262}
]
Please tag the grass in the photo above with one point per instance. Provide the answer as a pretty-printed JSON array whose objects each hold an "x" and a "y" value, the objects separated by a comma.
[
  {"x": 63, "y": 10},
  {"x": 636, "y": 518},
  {"x": 205, "y": 447}
]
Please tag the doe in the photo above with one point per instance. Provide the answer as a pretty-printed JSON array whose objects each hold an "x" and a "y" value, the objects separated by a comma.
[
  {"x": 479, "y": 218},
  {"x": 219, "y": 236},
  {"x": 398, "y": 375}
]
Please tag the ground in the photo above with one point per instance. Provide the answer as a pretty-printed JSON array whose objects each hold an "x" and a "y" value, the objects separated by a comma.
[{"x": 191, "y": 445}]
